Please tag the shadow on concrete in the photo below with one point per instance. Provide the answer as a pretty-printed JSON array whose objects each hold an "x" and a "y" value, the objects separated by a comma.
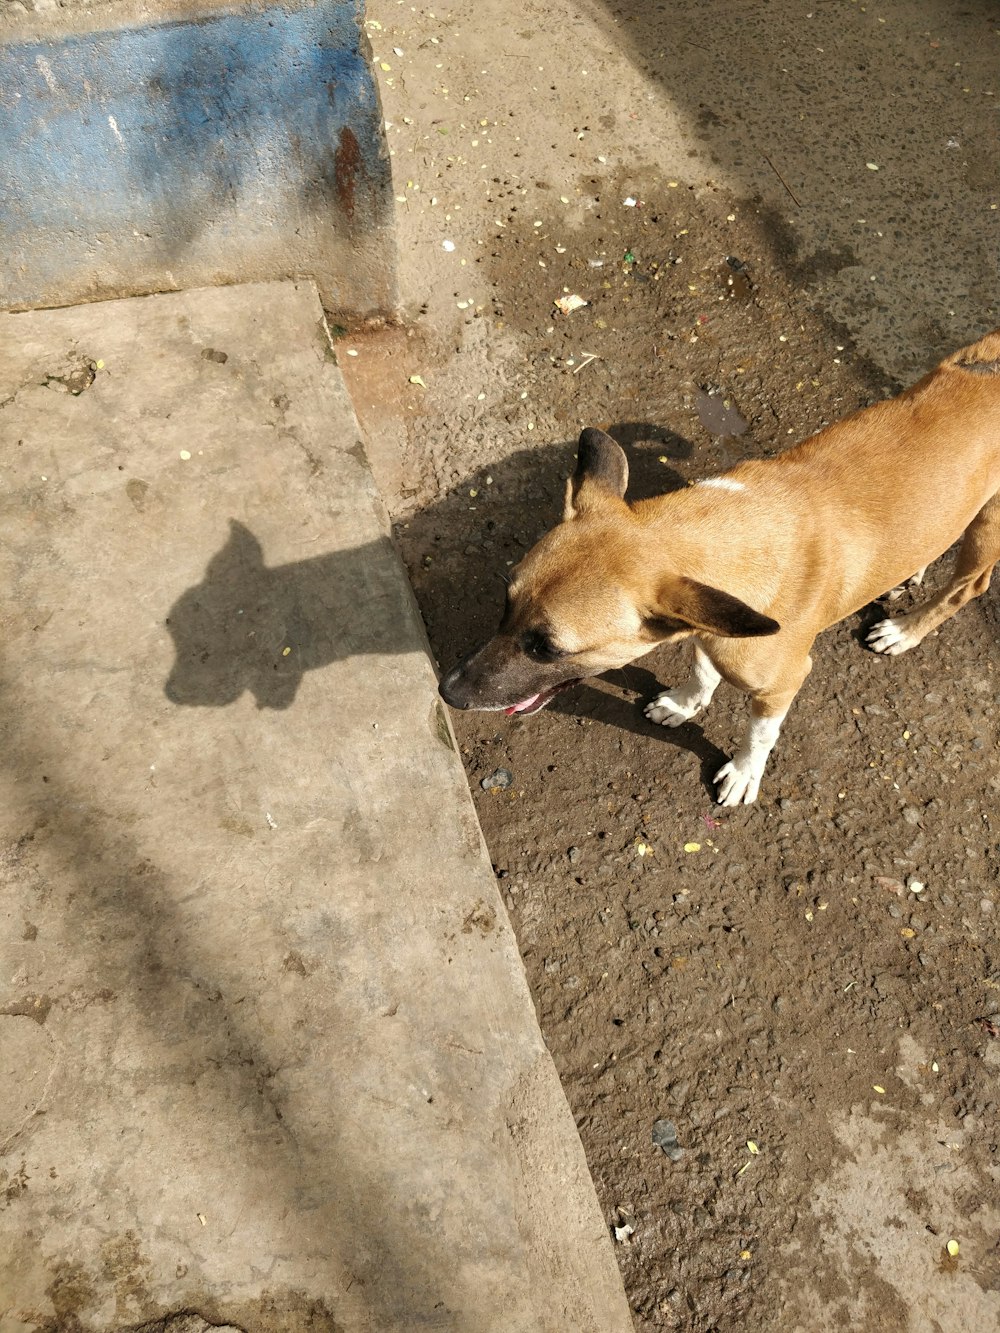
[
  {"x": 789, "y": 103},
  {"x": 250, "y": 626}
]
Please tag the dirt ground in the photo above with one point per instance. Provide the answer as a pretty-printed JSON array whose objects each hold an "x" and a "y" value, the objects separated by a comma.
[{"x": 813, "y": 221}]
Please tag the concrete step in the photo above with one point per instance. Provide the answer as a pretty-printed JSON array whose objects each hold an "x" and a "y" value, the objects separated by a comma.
[{"x": 267, "y": 1054}]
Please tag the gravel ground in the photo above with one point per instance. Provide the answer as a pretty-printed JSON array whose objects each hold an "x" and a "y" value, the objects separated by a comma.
[{"x": 803, "y": 997}]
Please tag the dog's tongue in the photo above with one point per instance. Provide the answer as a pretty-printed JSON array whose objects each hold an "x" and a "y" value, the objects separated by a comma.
[{"x": 523, "y": 706}]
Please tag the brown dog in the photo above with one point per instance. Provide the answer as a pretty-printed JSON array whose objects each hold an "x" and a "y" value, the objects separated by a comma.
[{"x": 796, "y": 543}]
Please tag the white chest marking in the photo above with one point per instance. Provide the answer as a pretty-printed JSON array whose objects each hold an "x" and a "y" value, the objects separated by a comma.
[{"x": 723, "y": 484}]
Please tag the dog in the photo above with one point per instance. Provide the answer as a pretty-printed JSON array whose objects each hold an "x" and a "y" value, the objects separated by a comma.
[{"x": 752, "y": 565}]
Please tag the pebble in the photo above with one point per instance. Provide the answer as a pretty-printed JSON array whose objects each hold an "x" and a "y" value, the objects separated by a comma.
[
  {"x": 911, "y": 814},
  {"x": 498, "y": 781},
  {"x": 665, "y": 1137},
  {"x": 574, "y": 855}
]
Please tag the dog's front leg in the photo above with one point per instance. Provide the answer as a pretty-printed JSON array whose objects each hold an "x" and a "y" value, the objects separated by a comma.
[
  {"x": 739, "y": 780},
  {"x": 680, "y": 704}
]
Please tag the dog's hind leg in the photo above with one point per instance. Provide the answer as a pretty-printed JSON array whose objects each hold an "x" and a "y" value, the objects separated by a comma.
[
  {"x": 680, "y": 704},
  {"x": 977, "y": 555},
  {"x": 914, "y": 581}
]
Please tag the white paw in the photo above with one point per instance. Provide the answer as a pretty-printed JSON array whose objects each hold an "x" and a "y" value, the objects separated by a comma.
[
  {"x": 672, "y": 708},
  {"x": 889, "y": 637},
  {"x": 739, "y": 782}
]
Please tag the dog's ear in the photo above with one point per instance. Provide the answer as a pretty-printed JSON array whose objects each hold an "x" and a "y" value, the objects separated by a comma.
[
  {"x": 601, "y": 468},
  {"x": 685, "y": 603}
]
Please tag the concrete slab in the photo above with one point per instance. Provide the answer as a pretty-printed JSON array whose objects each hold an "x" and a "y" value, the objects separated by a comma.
[{"x": 267, "y": 1055}]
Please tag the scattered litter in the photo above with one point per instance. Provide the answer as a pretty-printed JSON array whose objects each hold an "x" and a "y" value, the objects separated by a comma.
[
  {"x": 185, "y": 454},
  {"x": 989, "y": 1027},
  {"x": 915, "y": 885},
  {"x": 872, "y": 166},
  {"x": 879, "y": 1089},
  {"x": 692, "y": 846},
  {"x": 665, "y": 1137},
  {"x": 709, "y": 821},
  {"x": 595, "y": 263},
  {"x": 628, "y": 258},
  {"x": 448, "y": 245},
  {"x": 588, "y": 358},
  {"x": 625, "y": 1226},
  {"x": 953, "y": 1248},
  {"x": 201, "y": 1219},
  {"x": 418, "y": 380},
  {"x": 498, "y": 781},
  {"x": 285, "y": 652},
  {"x": 752, "y": 1148},
  {"x": 271, "y": 823},
  {"x": 643, "y": 849},
  {"x": 567, "y": 304},
  {"x": 352, "y": 351},
  {"x": 630, "y": 202}
]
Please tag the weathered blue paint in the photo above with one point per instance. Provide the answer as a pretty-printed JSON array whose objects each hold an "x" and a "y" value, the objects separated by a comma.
[{"x": 196, "y": 151}]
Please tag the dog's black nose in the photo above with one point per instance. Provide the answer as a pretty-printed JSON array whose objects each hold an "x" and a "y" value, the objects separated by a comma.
[{"x": 447, "y": 689}]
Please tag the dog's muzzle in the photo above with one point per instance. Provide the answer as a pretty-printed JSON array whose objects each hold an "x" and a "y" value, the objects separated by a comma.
[{"x": 450, "y": 689}]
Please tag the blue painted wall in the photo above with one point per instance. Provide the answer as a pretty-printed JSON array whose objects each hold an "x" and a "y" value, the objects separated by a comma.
[{"x": 234, "y": 146}]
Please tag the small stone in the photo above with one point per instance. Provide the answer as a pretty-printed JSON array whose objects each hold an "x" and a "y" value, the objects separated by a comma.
[
  {"x": 911, "y": 814},
  {"x": 498, "y": 781},
  {"x": 574, "y": 855},
  {"x": 665, "y": 1137}
]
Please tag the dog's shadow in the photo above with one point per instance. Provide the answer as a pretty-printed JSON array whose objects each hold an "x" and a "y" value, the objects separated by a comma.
[
  {"x": 624, "y": 711},
  {"x": 258, "y": 627}
]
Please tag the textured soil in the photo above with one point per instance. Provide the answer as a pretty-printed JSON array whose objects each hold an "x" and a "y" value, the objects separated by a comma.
[{"x": 820, "y": 1030}]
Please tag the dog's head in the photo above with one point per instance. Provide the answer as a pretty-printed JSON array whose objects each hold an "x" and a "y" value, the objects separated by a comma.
[{"x": 588, "y": 599}]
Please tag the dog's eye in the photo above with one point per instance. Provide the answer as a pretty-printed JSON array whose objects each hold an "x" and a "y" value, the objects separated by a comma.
[{"x": 539, "y": 646}]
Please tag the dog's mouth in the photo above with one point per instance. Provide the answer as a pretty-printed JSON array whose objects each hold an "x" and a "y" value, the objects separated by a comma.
[{"x": 535, "y": 702}]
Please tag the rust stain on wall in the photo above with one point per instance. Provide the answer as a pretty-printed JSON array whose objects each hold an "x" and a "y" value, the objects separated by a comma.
[{"x": 347, "y": 167}]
